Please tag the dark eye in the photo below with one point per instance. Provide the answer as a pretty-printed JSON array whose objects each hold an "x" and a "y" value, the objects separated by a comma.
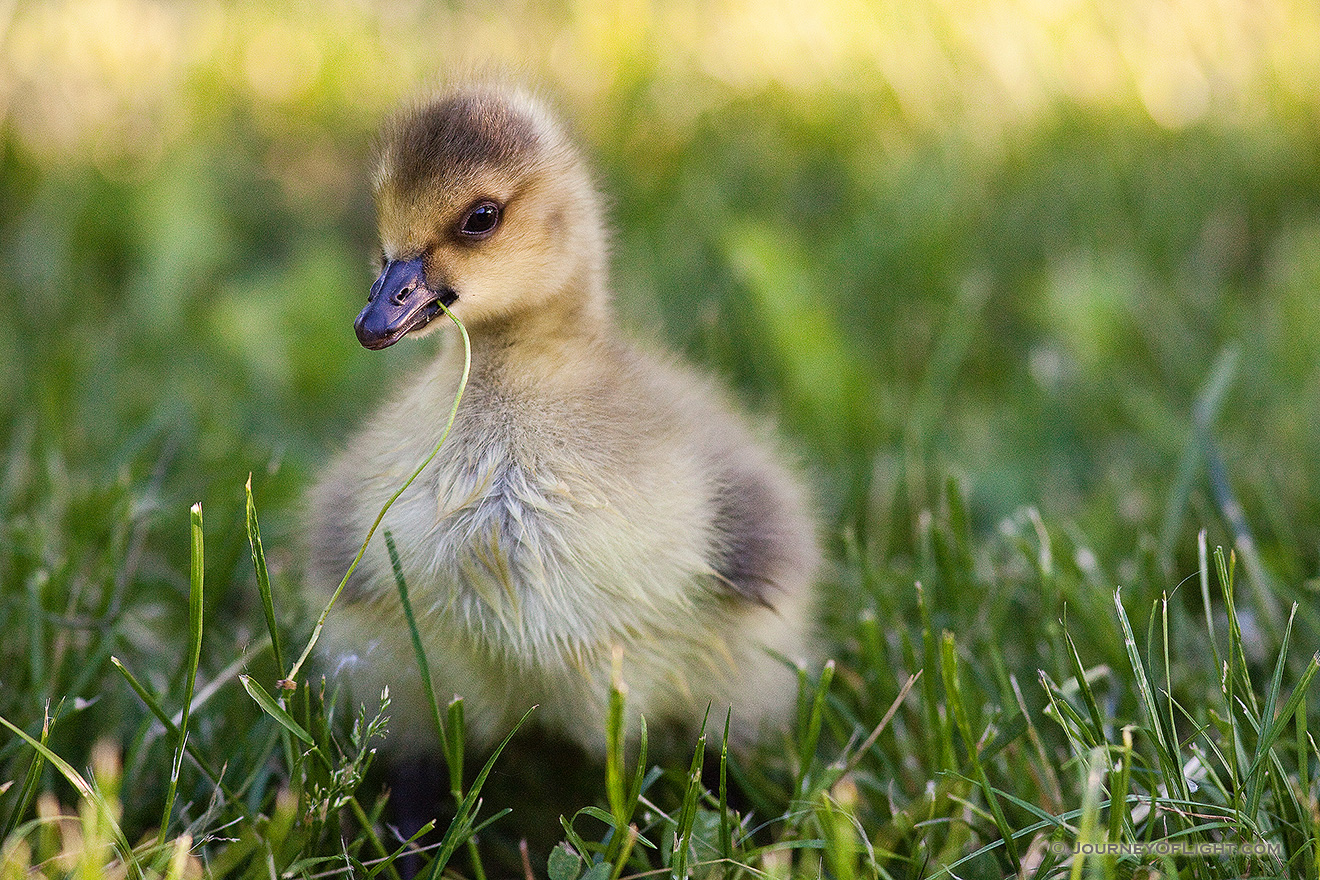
[{"x": 481, "y": 220}]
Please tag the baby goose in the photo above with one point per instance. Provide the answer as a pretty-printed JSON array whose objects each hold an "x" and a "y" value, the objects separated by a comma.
[{"x": 592, "y": 501}]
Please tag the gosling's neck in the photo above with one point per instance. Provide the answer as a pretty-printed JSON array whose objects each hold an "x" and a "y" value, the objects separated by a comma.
[{"x": 541, "y": 344}]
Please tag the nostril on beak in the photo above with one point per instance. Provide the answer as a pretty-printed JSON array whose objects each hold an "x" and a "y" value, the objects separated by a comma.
[{"x": 401, "y": 295}]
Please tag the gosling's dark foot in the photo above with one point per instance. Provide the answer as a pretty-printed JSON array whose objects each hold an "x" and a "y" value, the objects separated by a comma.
[{"x": 419, "y": 793}]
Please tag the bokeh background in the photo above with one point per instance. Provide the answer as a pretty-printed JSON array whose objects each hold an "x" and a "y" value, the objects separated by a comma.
[{"x": 1014, "y": 243}]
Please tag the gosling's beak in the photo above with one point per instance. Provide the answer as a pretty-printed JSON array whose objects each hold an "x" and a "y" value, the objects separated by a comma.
[{"x": 400, "y": 301}]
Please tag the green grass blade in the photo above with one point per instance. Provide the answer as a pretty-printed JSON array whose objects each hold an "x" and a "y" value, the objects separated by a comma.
[
  {"x": 811, "y": 729},
  {"x": 1203, "y": 577},
  {"x": 1088, "y": 826},
  {"x": 423, "y": 665},
  {"x": 687, "y": 813},
  {"x": 622, "y": 793},
  {"x": 1118, "y": 790},
  {"x": 574, "y": 839},
  {"x": 639, "y": 772},
  {"x": 387, "y": 863},
  {"x": 263, "y": 576},
  {"x": 197, "y": 558},
  {"x": 461, "y": 828},
  {"x": 1239, "y": 668},
  {"x": 1274, "y": 727},
  {"x": 30, "y": 781},
  {"x": 457, "y": 727},
  {"x": 1303, "y": 762},
  {"x": 629, "y": 842},
  {"x": 275, "y": 710},
  {"x": 1074, "y": 727},
  {"x": 726, "y": 830},
  {"x": 151, "y": 702},
  {"x": 937, "y": 724},
  {"x": 615, "y": 789},
  {"x": 953, "y": 694},
  {"x": 1084, "y": 687},
  {"x": 1184, "y": 787},
  {"x": 1228, "y": 670},
  {"x": 1267, "y": 717},
  {"x": 85, "y": 790},
  {"x": 1167, "y": 752}
]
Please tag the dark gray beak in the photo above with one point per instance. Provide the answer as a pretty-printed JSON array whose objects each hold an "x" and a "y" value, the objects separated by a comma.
[{"x": 400, "y": 302}]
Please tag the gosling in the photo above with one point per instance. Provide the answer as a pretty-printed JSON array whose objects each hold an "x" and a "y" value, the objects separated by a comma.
[{"x": 594, "y": 506}]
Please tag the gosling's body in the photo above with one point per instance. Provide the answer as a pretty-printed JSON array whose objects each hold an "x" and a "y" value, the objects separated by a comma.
[{"x": 591, "y": 500}]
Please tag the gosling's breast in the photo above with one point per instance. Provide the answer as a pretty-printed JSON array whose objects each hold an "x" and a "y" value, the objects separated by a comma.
[{"x": 546, "y": 544}]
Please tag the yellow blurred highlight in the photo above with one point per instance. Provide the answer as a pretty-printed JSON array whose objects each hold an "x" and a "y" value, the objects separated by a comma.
[
  {"x": 61, "y": 843},
  {"x": 122, "y": 79},
  {"x": 281, "y": 62}
]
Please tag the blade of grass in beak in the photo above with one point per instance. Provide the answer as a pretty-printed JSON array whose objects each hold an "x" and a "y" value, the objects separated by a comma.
[{"x": 444, "y": 435}]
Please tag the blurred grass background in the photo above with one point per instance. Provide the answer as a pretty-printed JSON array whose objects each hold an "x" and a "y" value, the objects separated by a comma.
[{"x": 1006, "y": 242}]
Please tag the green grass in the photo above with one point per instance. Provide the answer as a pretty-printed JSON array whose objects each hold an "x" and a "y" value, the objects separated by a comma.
[
  {"x": 969, "y": 771},
  {"x": 1054, "y": 376}
]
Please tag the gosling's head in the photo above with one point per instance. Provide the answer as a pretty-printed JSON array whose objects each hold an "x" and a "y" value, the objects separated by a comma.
[{"x": 485, "y": 206}]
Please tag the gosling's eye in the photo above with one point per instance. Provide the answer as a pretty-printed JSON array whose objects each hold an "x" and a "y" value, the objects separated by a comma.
[{"x": 480, "y": 220}]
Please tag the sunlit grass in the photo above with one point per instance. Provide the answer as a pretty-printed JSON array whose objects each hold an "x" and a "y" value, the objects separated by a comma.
[{"x": 1165, "y": 759}]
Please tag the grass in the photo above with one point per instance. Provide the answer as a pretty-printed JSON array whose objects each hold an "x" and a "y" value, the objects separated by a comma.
[
  {"x": 918, "y": 750},
  {"x": 1053, "y": 375}
]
